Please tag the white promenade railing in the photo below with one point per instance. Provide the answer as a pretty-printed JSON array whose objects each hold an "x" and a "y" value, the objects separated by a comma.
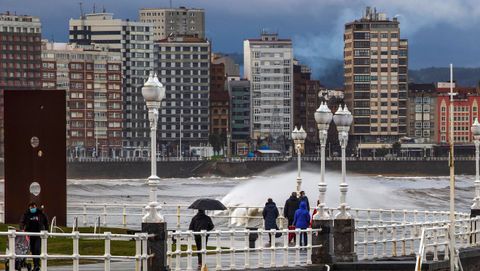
[
  {"x": 385, "y": 241},
  {"x": 231, "y": 249},
  {"x": 140, "y": 257},
  {"x": 178, "y": 216}
]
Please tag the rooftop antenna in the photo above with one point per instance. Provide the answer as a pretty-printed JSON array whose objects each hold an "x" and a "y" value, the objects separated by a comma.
[
  {"x": 82, "y": 15},
  {"x": 171, "y": 4},
  {"x": 104, "y": 9},
  {"x": 94, "y": 9}
]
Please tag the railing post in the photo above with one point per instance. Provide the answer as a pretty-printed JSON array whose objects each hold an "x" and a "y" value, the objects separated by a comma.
[
  {"x": 108, "y": 254},
  {"x": 156, "y": 245},
  {"x": 84, "y": 214},
  {"x": 44, "y": 252},
  {"x": 76, "y": 252},
  {"x": 11, "y": 250}
]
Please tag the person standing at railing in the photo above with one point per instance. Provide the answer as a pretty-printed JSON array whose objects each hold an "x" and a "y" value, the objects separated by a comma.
[
  {"x": 291, "y": 205},
  {"x": 270, "y": 215},
  {"x": 302, "y": 221},
  {"x": 305, "y": 199},
  {"x": 34, "y": 220},
  {"x": 200, "y": 222}
]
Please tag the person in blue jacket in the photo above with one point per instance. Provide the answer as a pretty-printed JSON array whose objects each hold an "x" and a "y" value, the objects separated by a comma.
[{"x": 302, "y": 221}]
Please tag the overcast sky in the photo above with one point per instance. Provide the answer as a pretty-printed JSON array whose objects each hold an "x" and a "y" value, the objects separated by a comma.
[{"x": 439, "y": 31}]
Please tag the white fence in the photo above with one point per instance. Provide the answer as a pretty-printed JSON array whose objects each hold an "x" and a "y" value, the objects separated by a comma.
[
  {"x": 231, "y": 250},
  {"x": 383, "y": 241},
  {"x": 178, "y": 216},
  {"x": 140, "y": 257}
]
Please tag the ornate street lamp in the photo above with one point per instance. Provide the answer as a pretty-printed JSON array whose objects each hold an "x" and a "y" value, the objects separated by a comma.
[
  {"x": 299, "y": 137},
  {"x": 153, "y": 92},
  {"x": 343, "y": 119},
  {"x": 476, "y": 141},
  {"x": 323, "y": 117}
]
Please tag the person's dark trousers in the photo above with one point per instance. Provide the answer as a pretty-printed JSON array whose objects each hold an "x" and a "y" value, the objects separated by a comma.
[
  {"x": 303, "y": 237},
  {"x": 35, "y": 249},
  {"x": 198, "y": 243}
]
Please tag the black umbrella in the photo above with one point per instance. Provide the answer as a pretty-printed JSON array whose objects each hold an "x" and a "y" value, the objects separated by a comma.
[{"x": 207, "y": 204}]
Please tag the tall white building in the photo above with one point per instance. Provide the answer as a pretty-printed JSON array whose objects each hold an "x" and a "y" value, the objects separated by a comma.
[
  {"x": 135, "y": 43},
  {"x": 268, "y": 64}
]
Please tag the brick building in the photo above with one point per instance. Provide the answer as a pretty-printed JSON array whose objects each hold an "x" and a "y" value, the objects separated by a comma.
[
  {"x": 92, "y": 81},
  {"x": 20, "y": 62},
  {"x": 219, "y": 112},
  {"x": 466, "y": 108}
]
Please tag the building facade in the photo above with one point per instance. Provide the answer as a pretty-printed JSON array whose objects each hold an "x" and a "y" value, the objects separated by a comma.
[
  {"x": 306, "y": 101},
  {"x": 466, "y": 105},
  {"x": 422, "y": 117},
  {"x": 92, "y": 79},
  {"x": 217, "y": 77},
  {"x": 268, "y": 64},
  {"x": 376, "y": 76},
  {"x": 20, "y": 60},
  {"x": 239, "y": 92},
  {"x": 135, "y": 43},
  {"x": 232, "y": 69},
  {"x": 183, "y": 66},
  {"x": 219, "y": 113},
  {"x": 180, "y": 21}
]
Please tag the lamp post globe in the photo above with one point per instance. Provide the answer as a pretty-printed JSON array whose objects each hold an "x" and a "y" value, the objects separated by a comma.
[
  {"x": 302, "y": 135},
  {"x": 298, "y": 137},
  {"x": 343, "y": 119},
  {"x": 323, "y": 117},
  {"x": 476, "y": 140},
  {"x": 153, "y": 92}
]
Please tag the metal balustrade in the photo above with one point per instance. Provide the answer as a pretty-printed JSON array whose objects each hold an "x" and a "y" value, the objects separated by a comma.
[
  {"x": 178, "y": 215},
  {"x": 231, "y": 249},
  {"x": 384, "y": 241},
  {"x": 140, "y": 257}
]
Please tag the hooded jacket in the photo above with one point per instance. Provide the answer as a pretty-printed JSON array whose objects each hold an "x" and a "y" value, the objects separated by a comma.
[
  {"x": 302, "y": 217},
  {"x": 270, "y": 214}
]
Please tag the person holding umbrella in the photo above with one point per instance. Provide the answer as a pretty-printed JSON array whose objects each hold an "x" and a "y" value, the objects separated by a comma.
[{"x": 201, "y": 221}]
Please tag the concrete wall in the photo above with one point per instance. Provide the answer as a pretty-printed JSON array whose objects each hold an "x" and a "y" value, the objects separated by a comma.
[{"x": 211, "y": 168}]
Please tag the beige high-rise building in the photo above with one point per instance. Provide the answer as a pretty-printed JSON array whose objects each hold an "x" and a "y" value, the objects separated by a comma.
[
  {"x": 376, "y": 71},
  {"x": 180, "y": 21},
  {"x": 268, "y": 64}
]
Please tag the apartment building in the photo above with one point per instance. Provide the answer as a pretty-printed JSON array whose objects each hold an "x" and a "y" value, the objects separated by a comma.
[
  {"x": 268, "y": 65},
  {"x": 422, "y": 117},
  {"x": 306, "y": 101},
  {"x": 20, "y": 61},
  {"x": 466, "y": 105},
  {"x": 376, "y": 76},
  {"x": 135, "y": 43},
  {"x": 180, "y": 21},
  {"x": 92, "y": 79},
  {"x": 183, "y": 66},
  {"x": 239, "y": 92}
]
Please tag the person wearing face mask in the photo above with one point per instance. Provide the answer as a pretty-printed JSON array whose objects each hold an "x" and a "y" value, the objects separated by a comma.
[{"x": 34, "y": 220}]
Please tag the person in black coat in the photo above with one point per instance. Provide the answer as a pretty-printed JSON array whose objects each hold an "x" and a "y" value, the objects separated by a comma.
[
  {"x": 34, "y": 220},
  {"x": 270, "y": 214},
  {"x": 304, "y": 198},
  {"x": 291, "y": 206},
  {"x": 200, "y": 222}
]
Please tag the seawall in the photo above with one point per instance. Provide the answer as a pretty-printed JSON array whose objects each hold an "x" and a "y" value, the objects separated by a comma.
[{"x": 184, "y": 169}]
